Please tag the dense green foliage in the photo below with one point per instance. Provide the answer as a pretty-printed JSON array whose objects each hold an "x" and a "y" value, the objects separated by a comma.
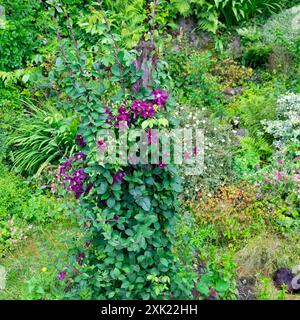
[
  {"x": 212, "y": 13},
  {"x": 69, "y": 71}
]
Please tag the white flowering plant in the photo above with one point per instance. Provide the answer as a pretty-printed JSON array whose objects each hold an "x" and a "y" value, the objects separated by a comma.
[
  {"x": 219, "y": 145},
  {"x": 286, "y": 128}
]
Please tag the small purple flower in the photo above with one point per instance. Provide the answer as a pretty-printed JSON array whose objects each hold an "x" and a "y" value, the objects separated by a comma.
[
  {"x": 116, "y": 217},
  {"x": 118, "y": 177},
  {"x": 110, "y": 117},
  {"x": 61, "y": 275},
  {"x": 79, "y": 175},
  {"x": 123, "y": 117},
  {"x": 152, "y": 136},
  {"x": 80, "y": 258},
  {"x": 148, "y": 111},
  {"x": 107, "y": 111},
  {"x": 122, "y": 109},
  {"x": 80, "y": 156},
  {"x": 160, "y": 97},
  {"x": 186, "y": 156},
  {"x": 78, "y": 190},
  {"x": 136, "y": 87},
  {"x": 102, "y": 145},
  {"x": 136, "y": 107},
  {"x": 89, "y": 187},
  {"x": 162, "y": 165},
  {"x": 79, "y": 141},
  {"x": 88, "y": 243},
  {"x": 76, "y": 182},
  {"x": 279, "y": 175},
  {"x": 65, "y": 166}
]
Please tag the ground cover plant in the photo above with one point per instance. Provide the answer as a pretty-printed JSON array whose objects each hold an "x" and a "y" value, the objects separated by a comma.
[{"x": 82, "y": 219}]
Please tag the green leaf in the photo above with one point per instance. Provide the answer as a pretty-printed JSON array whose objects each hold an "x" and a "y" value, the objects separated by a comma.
[
  {"x": 222, "y": 286},
  {"x": 203, "y": 288},
  {"x": 144, "y": 202},
  {"x": 111, "y": 203},
  {"x": 176, "y": 186},
  {"x": 25, "y": 78},
  {"x": 129, "y": 232},
  {"x": 116, "y": 71},
  {"x": 103, "y": 188},
  {"x": 164, "y": 262}
]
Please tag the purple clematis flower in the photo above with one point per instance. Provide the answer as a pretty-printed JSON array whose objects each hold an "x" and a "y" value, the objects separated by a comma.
[
  {"x": 79, "y": 141},
  {"x": 102, "y": 145},
  {"x": 160, "y": 97},
  {"x": 80, "y": 156},
  {"x": 61, "y": 275},
  {"x": 143, "y": 109},
  {"x": 118, "y": 177},
  {"x": 162, "y": 165}
]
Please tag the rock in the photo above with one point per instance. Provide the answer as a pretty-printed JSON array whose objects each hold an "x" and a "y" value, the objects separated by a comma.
[
  {"x": 188, "y": 29},
  {"x": 235, "y": 46},
  {"x": 284, "y": 276},
  {"x": 233, "y": 91},
  {"x": 246, "y": 288},
  {"x": 241, "y": 132}
]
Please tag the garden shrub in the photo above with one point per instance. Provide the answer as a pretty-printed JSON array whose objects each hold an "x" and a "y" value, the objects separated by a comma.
[
  {"x": 279, "y": 183},
  {"x": 257, "y": 55},
  {"x": 282, "y": 33},
  {"x": 14, "y": 196},
  {"x": 193, "y": 81},
  {"x": 128, "y": 17},
  {"x": 257, "y": 104},
  {"x": 248, "y": 157},
  {"x": 250, "y": 35},
  {"x": 29, "y": 28},
  {"x": 10, "y": 108},
  {"x": 267, "y": 252},
  {"x": 212, "y": 14},
  {"x": 41, "y": 209},
  {"x": 218, "y": 275},
  {"x": 20, "y": 34},
  {"x": 231, "y": 74},
  {"x": 286, "y": 128},
  {"x": 219, "y": 146},
  {"x": 283, "y": 23},
  {"x": 234, "y": 212}
]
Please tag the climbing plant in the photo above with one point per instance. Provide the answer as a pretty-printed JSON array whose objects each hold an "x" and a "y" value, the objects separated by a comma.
[{"x": 127, "y": 210}]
